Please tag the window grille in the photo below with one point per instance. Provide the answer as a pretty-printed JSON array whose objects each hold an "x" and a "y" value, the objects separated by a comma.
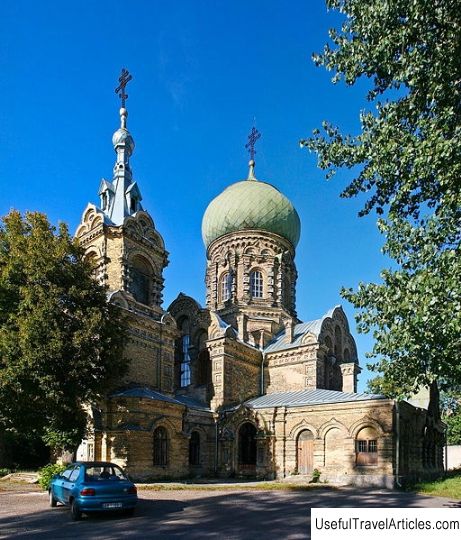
[
  {"x": 367, "y": 452},
  {"x": 185, "y": 363},
  {"x": 256, "y": 284},
  {"x": 226, "y": 286}
]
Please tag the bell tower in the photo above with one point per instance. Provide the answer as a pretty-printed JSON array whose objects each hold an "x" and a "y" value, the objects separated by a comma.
[
  {"x": 119, "y": 236},
  {"x": 128, "y": 256}
]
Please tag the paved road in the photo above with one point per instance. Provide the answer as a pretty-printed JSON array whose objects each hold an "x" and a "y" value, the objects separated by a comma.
[{"x": 238, "y": 515}]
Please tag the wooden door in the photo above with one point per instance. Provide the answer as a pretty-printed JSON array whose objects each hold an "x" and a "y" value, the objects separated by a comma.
[{"x": 305, "y": 452}]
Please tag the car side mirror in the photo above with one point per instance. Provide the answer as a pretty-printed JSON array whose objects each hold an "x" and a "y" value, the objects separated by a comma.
[{"x": 56, "y": 476}]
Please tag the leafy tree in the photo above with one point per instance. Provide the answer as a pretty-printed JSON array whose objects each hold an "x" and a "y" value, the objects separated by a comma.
[
  {"x": 451, "y": 414},
  {"x": 408, "y": 160},
  {"x": 60, "y": 340}
]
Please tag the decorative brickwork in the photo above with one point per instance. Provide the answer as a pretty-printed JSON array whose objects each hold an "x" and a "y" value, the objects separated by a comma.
[{"x": 240, "y": 387}]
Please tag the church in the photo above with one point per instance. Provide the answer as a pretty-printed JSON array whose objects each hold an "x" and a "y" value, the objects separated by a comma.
[{"x": 239, "y": 387}]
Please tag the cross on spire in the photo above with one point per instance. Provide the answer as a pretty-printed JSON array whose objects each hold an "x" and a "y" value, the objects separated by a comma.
[
  {"x": 124, "y": 79},
  {"x": 250, "y": 145}
]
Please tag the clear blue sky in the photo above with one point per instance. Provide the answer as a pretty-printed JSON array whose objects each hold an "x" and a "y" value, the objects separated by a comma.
[{"x": 203, "y": 70}]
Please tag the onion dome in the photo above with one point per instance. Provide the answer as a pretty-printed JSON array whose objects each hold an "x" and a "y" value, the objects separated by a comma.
[{"x": 251, "y": 204}]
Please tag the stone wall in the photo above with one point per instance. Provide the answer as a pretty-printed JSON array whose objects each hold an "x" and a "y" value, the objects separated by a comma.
[
  {"x": 334, "y": 427},
  {"x": 128, "y": 437},
  {"x": 235, "y": 372}
]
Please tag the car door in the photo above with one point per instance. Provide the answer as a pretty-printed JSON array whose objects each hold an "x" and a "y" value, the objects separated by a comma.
[
  {"x": 58, "y": 483},
  {"x": 69, "y": 483}
]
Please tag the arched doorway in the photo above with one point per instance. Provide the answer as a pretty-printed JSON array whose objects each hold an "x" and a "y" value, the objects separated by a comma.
[
  {"x": 305, "y": 452},
  {"x": 247, "y": 448}
]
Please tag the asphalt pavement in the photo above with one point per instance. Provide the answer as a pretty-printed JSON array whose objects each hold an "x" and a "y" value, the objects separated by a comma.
[{"x": 205, "y": 514}]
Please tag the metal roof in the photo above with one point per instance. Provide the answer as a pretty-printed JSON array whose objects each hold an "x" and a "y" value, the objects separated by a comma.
[
  {"x": 191, "y": 403},
  {"x": 308, "y": 397},
  {"x": 313, "y": 327},
  {"x": 251, "y": 204},
  {"x": 147, "y": 393},
  {"x": 144, "y": 392}
]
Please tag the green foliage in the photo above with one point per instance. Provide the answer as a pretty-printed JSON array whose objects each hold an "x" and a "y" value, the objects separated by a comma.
[
  {"x": 451, "y": 415},
  {"x": 4, "y": 472},
  {"x": 45, "y": 474},
  {"x": 315, "y": 476},
  {"x": 449, "y": 485},
  {"x": 408, "y": 150},
  {"x": 60, "y": 341},
  {"x": 453, "y": 422},
  {"x": 407, "y": 160}
]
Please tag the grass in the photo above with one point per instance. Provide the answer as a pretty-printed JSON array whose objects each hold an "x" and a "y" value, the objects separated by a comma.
[{"x": 447, "y": 486}]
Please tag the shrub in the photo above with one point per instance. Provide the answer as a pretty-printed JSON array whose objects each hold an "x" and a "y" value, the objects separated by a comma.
[
  {"x": 315, "y": 475},
  {"x": 45, "y": 474},
  {"x": 4, "y": 472}
]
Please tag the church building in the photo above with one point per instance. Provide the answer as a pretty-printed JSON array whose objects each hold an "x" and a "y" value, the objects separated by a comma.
[{"x": 240, "y": 387}]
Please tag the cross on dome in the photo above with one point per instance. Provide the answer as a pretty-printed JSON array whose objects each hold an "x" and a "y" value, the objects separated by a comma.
[
  {"x": 124, "y": 79},
  {"x": 250, "y": 145}
]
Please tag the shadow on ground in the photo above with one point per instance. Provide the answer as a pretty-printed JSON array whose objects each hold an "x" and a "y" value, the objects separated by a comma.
[{"x": 200, "y": 515}]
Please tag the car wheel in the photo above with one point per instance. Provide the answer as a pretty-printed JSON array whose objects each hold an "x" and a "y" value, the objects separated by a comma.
[
  {"x": 75, "y": 511},
  {"x": 53, "y": 501}
]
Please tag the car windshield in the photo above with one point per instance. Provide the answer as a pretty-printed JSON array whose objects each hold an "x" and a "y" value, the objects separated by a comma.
[{"x": 104, "y": 472}]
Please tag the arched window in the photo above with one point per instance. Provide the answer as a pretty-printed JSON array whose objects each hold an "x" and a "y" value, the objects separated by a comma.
[
  {"x": 133, "y": 205},
  {"x": 227, "y": 280},
  {"x": 185, "y": 355},
  {"x": 194, "y": 448},
  {"x": 247, "y": 444},
  {"x": 92, "y": 259},
  {"x": 104, "y": 200},
  {"x": 366, "y": 447},
  {"x": 141, "y": 274},
  {"x": 256, "y": 284},
  {"x": 203, "y": 360},
  {"x": 160, "y": 457}
]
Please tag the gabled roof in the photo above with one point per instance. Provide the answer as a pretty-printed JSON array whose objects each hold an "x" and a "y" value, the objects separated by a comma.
[
  {"x": 311, "y": 327},
  {"x": 135, "y": 189},
  {"x": 105, "y": 185},
  {"x": 308, "y": 397}
]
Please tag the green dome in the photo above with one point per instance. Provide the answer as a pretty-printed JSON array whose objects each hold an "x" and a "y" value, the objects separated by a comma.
[{"x": 251, "y": 204}]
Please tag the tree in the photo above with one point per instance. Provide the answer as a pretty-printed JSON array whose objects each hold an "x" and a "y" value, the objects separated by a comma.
[
  {"x": 408, "y": 160},
  {"x": 60, "y": 340},
  {"x": 451, "y": 415}
]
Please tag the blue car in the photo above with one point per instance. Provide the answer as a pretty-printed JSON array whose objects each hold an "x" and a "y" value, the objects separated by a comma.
[{"x": 93, "y": 486}]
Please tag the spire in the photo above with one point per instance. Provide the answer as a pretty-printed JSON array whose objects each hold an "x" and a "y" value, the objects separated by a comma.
[
  {"x": 250, "y": 146},
  {"x": 121, "y": 197}
]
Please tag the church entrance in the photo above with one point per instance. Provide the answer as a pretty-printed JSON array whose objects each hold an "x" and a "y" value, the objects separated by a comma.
[
  {"x": 247, "y": 449},
  {"x": 305, "y": 452}
]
